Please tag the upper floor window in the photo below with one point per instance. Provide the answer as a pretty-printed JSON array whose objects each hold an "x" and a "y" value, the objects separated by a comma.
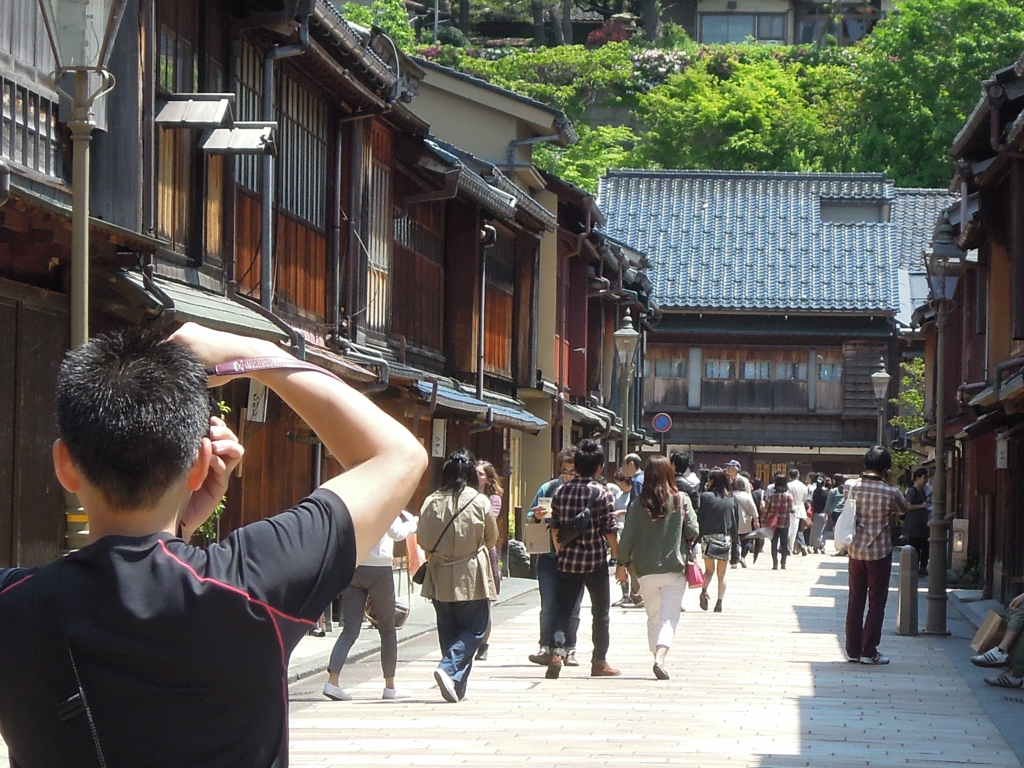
[
  {"x": 757, "y": 369},
  {"x": 788, "y": 371},
  {"x": 830, "y": 372},
  {"x": 737, "y": 27},
  {"x": 719, "y": 369},
  {"x": 670, "y": 369},
  {"x": 302, "y": 163}
]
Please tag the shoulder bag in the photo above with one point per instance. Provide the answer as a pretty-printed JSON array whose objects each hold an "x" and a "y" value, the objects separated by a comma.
[
  {"x": 421, "y": 572},
  {"x": 578, "y": 525}
]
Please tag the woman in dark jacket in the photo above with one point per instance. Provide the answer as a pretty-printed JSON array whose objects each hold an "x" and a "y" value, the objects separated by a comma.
[{"x": 719, "y": 522}]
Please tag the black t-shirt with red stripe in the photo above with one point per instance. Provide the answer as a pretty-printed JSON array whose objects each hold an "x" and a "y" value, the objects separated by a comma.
[{"x": 182, "y": 652}]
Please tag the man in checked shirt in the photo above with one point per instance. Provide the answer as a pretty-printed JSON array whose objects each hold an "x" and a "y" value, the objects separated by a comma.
[
  {"x": 878, "y": 503},
  {"x": 584, "y": 562}
]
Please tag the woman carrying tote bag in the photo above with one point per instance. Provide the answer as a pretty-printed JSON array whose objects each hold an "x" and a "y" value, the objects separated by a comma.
[
  {"x": 457, "y": 524},
  {"x": 660, "y": 529}
]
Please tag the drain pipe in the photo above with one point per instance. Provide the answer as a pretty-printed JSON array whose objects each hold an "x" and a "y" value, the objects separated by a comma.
[
  {"x": 488, "y": 236},
  {"x": 267, "y": 165},
  {"x": 336, "y": 232},
  {"x": 516, "y": 143},
  {"x": 450, "y": 190}
]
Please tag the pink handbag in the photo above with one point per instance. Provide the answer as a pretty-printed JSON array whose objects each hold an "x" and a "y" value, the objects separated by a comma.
[{"x": 694, "y": 575}]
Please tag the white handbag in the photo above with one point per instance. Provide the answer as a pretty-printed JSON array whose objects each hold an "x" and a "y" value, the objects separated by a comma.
[{"x": 846, "y": 525}]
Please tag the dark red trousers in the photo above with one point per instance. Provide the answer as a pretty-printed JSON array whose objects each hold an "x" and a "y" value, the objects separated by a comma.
[{"x": 869, "y": 582}]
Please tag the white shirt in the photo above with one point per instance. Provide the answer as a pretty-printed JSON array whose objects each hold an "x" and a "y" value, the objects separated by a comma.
[
  {"x": 621, "y": 504},
  {"x": 748, "y": 510},
  {"x": 799, "y": 491},
  {"x": 384, "y": 552}
]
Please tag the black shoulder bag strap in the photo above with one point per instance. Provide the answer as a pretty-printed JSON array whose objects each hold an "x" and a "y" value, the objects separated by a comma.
[
  {"x": 449, "y": 525},
  {"x": 70, "y": 706}
]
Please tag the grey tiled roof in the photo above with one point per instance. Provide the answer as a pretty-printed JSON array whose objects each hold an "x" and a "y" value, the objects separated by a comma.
[
  {"x": 914, "y": 212},
  {"x": 755, "y": 240}
]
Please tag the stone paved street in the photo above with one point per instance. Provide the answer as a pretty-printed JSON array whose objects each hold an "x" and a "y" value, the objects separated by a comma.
[{"x": 763, "y": 684}]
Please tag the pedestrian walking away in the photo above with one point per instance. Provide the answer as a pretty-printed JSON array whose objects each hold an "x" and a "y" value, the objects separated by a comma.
[
  {"x": 547, "y": 569},
  {"x": 877, "y": 503},
  {"x": 490, "y": 486},
  {"x": 719, "y": 521},
  {"x": 631, "y": 584},
  {"x": 457, "y": 521},
  {"x": 819, "y": 500},
  {"x": 178, "y": 654},
  {"x": 661, "y": 528},
  {"x": 749, "y": 520},
  {"x": 778, "y": 508},
  {"x": 586, "y": 506},
  {"x": 373, "y": 582},
  {"x": 798, "y": 515}
]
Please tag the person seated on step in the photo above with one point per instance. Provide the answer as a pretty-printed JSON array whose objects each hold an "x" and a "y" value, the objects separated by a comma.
[{"x": 1009, "y": 654}]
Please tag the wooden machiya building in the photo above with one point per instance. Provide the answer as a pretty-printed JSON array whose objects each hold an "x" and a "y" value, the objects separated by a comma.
[
  {"x": 984, "y": 372},
  {"x": 316, "y": 214},
  {"x": 779, "y": 293}
]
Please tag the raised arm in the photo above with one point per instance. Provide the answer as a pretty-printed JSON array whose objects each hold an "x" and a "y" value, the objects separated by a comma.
[{"x": 368, "y": 443}]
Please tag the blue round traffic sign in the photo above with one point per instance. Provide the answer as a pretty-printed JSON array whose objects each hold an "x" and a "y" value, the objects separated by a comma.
[{"x": 661, "y": 422}]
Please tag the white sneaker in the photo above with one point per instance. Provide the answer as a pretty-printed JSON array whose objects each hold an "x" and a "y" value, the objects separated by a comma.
[
  {"x": 995, "y": 657},
  {"x": 336, "y": 693},
  {"x": 396, "y": 693},
  {"x": 447, "y": 686}
]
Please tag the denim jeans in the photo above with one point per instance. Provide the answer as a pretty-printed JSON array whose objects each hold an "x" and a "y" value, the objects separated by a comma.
[
  {"x": 547, "y": 582},
  {"x": 569, "y": 594},
  {"x": 460, "y": 630},
  {"x": 780, "y": 537}
]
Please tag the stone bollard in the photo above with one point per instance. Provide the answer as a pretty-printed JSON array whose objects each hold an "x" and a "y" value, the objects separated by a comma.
[{"x": 906, "y": 608}]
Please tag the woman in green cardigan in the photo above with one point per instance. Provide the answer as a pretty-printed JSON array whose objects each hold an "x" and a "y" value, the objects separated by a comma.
[{"x": 660, "y": 527}]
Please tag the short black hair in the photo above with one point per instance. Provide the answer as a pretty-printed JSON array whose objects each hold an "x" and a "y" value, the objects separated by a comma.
[
  {"x": 920, "y": 472},
  {"x": 878, "y": 459},
  {"x": 132, "y": 409},
  {"x": 680, "y": 460},
  {"x": 589, "y": 458},
  {"x": 794, "y": 474}
]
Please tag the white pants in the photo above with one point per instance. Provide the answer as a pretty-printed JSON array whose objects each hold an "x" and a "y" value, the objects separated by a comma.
[
  {"x": 794, "y": 529},
  {"x": 663, "y": 599}
]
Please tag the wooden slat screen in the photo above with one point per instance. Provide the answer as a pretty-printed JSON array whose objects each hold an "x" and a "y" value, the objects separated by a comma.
[{"x": 301, "y": 267}]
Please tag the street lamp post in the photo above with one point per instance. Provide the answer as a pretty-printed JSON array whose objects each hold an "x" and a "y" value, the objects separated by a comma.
[
  {"x": 626, "y": 340},
  {"x": 880, "y": 383},
  {"x": 81, "y": 33},
  {"x": 943, "y": 262}
]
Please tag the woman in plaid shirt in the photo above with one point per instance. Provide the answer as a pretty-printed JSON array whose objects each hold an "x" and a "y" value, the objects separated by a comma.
[
  {"x": 778, "y": 503},
  {"x": 877, "y": 504}
]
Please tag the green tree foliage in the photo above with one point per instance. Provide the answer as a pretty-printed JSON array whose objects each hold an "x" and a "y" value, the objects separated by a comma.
[
  {"x": 584, "y": 162},
  {"x": 909, "y": 408},
  {"x": 732, "y": 115},
  {"x": 389, "y": 15},
  {"x": 919, "y": 76},
  {"x": 894, "y": 102}
]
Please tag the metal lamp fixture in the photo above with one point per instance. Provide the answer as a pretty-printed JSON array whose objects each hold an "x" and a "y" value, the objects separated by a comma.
[
  {"x": 880, "y": 383},
  {"x": 626, "y": 340},
  {"x": 943, "y": 261},
  {"x": 81, "y": 34}
]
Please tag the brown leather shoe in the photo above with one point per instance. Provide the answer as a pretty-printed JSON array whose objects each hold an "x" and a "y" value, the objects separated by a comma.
[
  {"x": 570, "y": 659},
  {"x": 554, "y": 668},
  {"x": 540, "y": 658},
  {"x": 603, "y": 669}
]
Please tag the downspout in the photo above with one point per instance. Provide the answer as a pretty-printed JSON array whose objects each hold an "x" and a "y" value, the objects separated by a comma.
[
  {"x": 336, "y": 232},
  {"x": 5, "y": 181},
  {"x": 450, "y": 190},
  {"x": 267, "y": 165},
  {"x": 1003, "y": 367},
  {"x": 426, "y": 410},
  {"x": 487, "y": 423},
  {"x": 996, "y": 98},
  {"x": 488, "y": 236},
  {"x": 152, "y": 287},
  {"x": 515, "y": 143}
]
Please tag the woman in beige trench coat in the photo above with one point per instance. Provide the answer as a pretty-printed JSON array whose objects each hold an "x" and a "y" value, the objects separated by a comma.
[{"x": 457, "y": 529}]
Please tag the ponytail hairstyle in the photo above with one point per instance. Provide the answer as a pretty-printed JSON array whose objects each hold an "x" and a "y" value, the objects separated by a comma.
[
  {"x": 458, "y": 472},
  {"x": 659, "y": 487}
]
